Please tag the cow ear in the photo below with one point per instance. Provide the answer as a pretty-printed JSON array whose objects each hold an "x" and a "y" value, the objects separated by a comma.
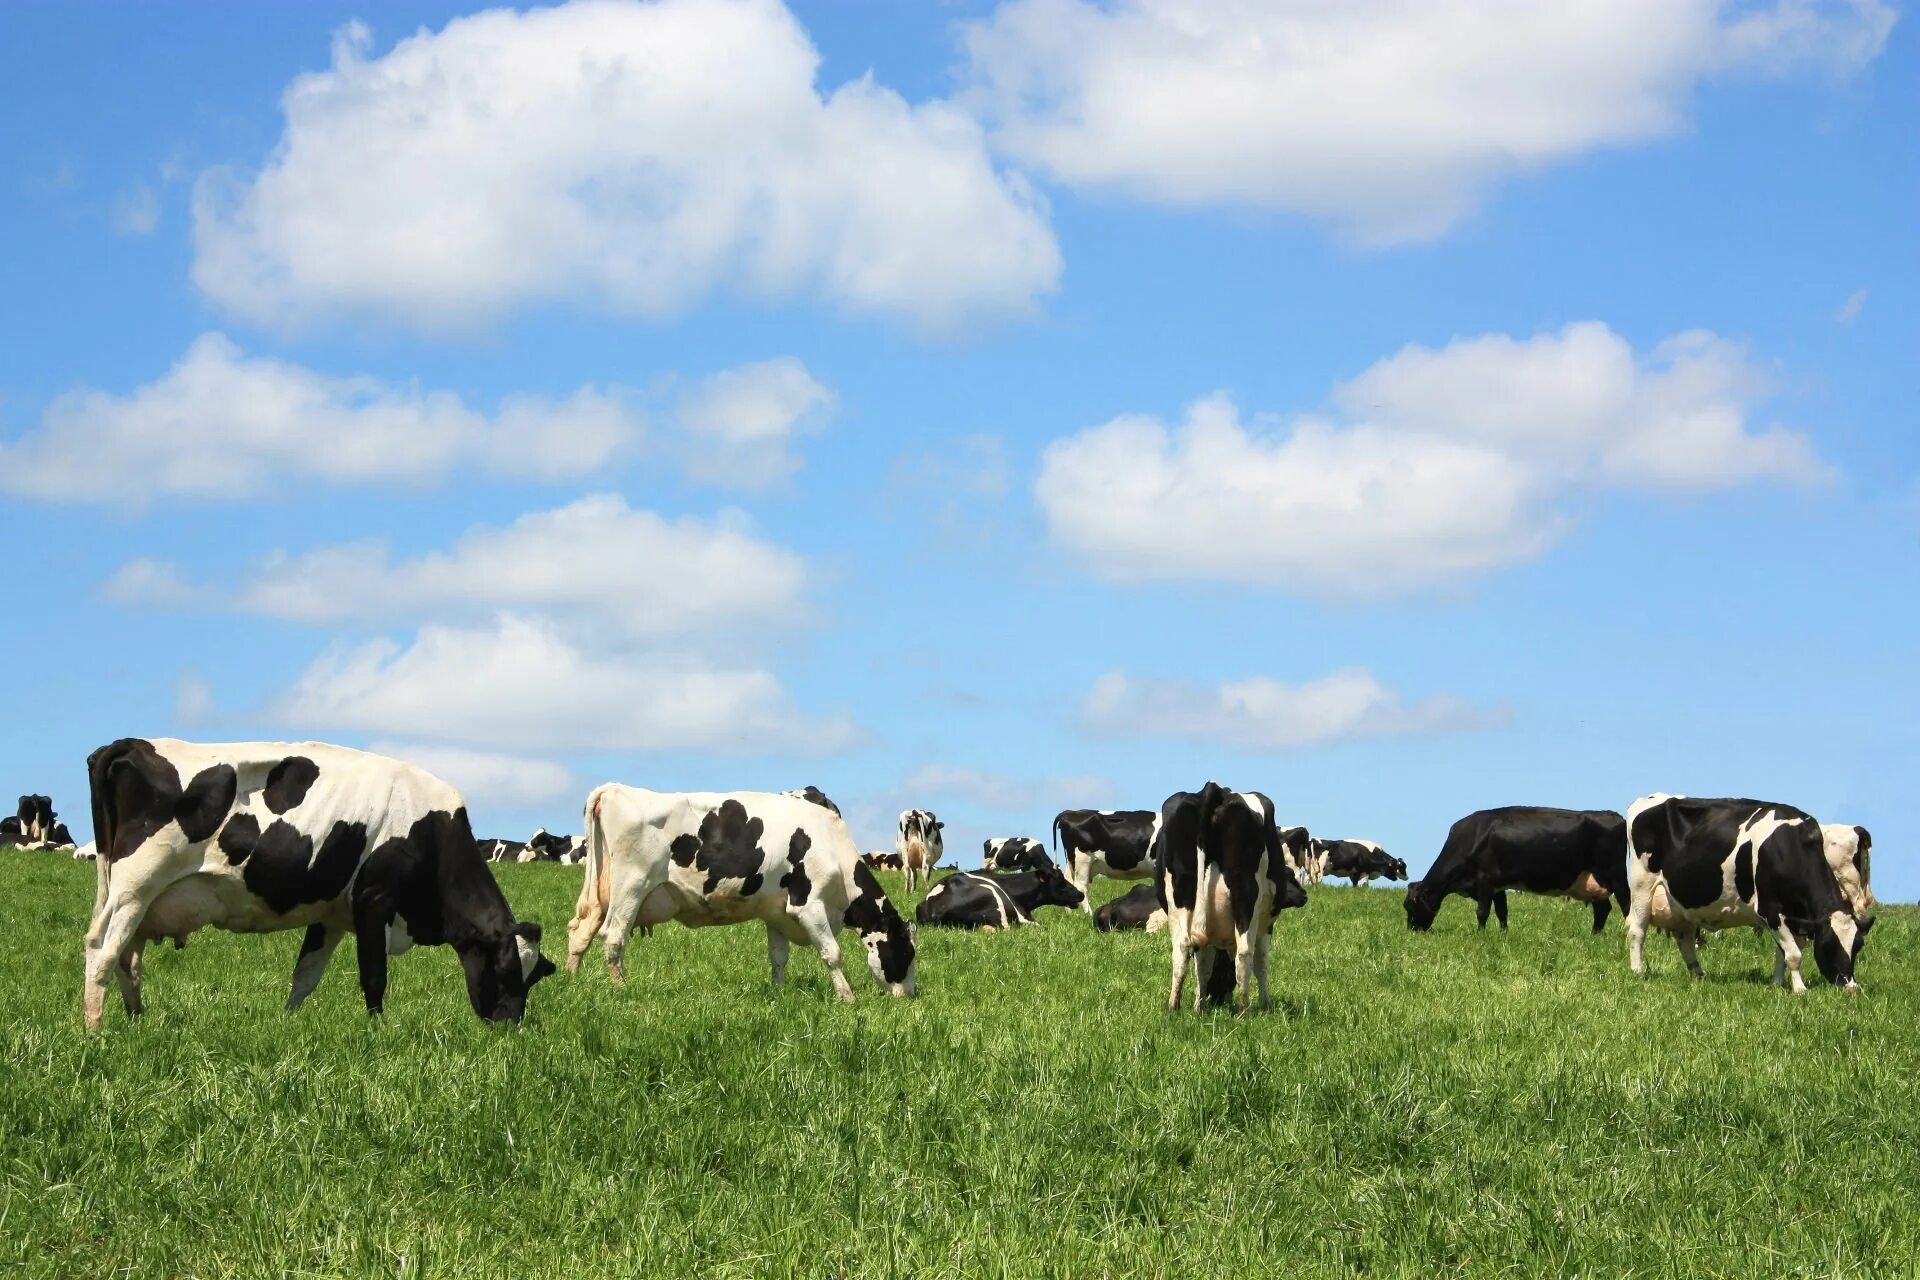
[
  {"x": 1864, "y": 926},
  {"x": 1804, "y": 928},
  {"x": 529, "y": 930}
]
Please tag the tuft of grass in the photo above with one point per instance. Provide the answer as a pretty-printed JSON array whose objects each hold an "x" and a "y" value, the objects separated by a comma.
[{"x": 1455, "y": 1103}]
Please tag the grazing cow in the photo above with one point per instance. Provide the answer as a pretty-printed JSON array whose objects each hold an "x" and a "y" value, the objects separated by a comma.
[
  {"x": 919, "y": 845},
  {"x": 979, "y": 900},
  {"x": 544, "y": 846},
  {"x": 1224, "y": 877},
  {"x": 1013, "y": 853},
  {"x": 501, "y": 850},
  {"x": 1105, "y": 842},
  {"x": 1137, "y": 908},
  {"x": 1358, "y": 860},
  {"x": 1847, "y": 850},
  {"x": 255, "y": 837},
  {"x": 1568, "y": 853},
  {"x": 814, "y": 795},
  {"x": 1696, "y": 865},
  {"x": 881, "y": 860},
  {"x": 708, "y": 858}
]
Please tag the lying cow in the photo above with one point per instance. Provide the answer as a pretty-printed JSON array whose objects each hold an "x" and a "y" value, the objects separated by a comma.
[
  {"x": 500, "y": 850},
  {"x": 86, "y": 852},
  {"x": 1568, "y": 853},
  {"x": 881, "y": 860},
  {"x": 919, "y": 845},
  {"x": 1360, "y": 861},
  {"x": 708, "y": 858},
  {"x": 544, "y": 846},
  {"x": 1224, "y": 877},
  {"x": 1137, "y": 908},
  {"x": 1013, "y": 853},
  {"x": 1847, "y": 849},
  {"x": 814, "y": 795},
  {"x": 1105, "y": 842},
  {"x": 978, "y": 900},
  {"x": 1695, "y": 865},
  {"x": 255, "y": 837}
]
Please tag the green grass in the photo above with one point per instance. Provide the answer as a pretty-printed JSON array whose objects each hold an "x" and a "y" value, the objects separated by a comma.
[{"x": 1454, "y": 1103}]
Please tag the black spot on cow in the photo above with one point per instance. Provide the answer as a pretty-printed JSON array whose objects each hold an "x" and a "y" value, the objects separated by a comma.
[
  {"x": 204, "y": 805},
  {"x": 813, "y": 795},
  {"x": 135, "y": 789},
  {"x": 727, "y": 848},
  {"x": 870, "y": 913},
  {"x": 288, "y": 782},
  {"x": 1743, "y": 873},
  {"x": 239, "y": 837},
  {"x": 285, "y": 872},
  {"x": 795, "y": 882}
]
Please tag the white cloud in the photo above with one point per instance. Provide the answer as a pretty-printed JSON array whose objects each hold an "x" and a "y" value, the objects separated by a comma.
[
  {"x": 137, "y": 211},
  {"x": 932, "y": 784},
  {"x": 740, "y": 424},
  {"x": 1443, "y": 464},
  {"x": 635, "y": 157},
  {"x": 193, "y": 699},
  {"x": 154, "y": 584},
  {"x": 221, "y": 424},
  {"x": 1389, "y": 118},
  {"x": 486, "y": 777},
  {"x": 1261, "y": 714},
  {"x": 522, "y": 683},
  {"x": 1850, "y": 309}
]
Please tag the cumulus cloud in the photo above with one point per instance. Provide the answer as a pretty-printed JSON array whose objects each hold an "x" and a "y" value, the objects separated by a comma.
[
  {"x": 486, "y": 776},
  {"x": 637, "y": 157},
  {"x": 1262, "y": 714},
  {"x": 522, "y": 682},
  {"x": 1441, "y": 464},
  {"x": 146, "y": 583},
  {"x": 224, "y": 425},
  {"x": 739, "y": 425},
  {"x": 1389, "y": 118}
]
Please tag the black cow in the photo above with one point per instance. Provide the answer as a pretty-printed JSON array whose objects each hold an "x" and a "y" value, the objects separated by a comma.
[
  {"x": 1569, "y": 853},
  {"x": 1357, "y": 860},
  {"x": 1698, "y": 865},
  {"x": 1223, "y": 873},
  {"x": 1013, "y": 853},
  {"x": 978, "y": 900},
  {"x": 1105, "y": 842},
  {"x": 1137, "y": 908},
  {"x": 260, "y": 836}
]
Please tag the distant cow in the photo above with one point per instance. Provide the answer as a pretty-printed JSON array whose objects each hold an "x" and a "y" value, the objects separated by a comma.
[
  {"x": 813, "y": 795},
  {"x": 1137, "y": 908},
  {"x": 1358, "y": 860},
  {"x": 881, "y": 860},
  {"x": 1568, "y": 853},
  {"x": 1298, "y": 845},
  {"x": 711, "y": 858},
  {"x": 1105, "y": 842},
  {"x": 1224, "y": 877},
  {"x": 544, "y": 846},
  {"x": 1013, "y": 853},
  {"x": 1698, "y": 865},
  {"x": 500, "y": 850},
  {"x": 260, "y": 836},
  {"x": 32, "y": 826},
  {"x": 919, "y": 845},
  {"x": 86, "y": 852},
  {"x": 979, "y": 900},
  {"x": 1847, "y": 850}
]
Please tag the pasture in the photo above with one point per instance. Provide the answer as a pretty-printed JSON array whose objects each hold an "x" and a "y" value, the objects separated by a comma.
[{"x": 1455, "y": 1103}]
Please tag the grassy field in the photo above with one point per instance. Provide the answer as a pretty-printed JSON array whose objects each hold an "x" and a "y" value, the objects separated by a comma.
[{"x": 1453, "y": 1103}]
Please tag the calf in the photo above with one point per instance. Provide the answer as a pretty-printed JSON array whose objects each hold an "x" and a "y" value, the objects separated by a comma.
[
  {"x": 710, "y": 858},
  {"x": 1222, "y": 872},
  {"x": 919, "y": 845},
  {"x": 1013, "y": 853},
  {"x": 1105, "y": 842},
  {"x": 1847, "y": 849},
  {"x": 255, "y": 837},
  {"x": 1137, "y": 908},
  {"x": 813, "y": 795},
  {"x": 1358, "y": 860},
  {"x": 977, "y": 900},
  {"x": 1570, "y": 853},
  {"x": 1696, "y": 865}
]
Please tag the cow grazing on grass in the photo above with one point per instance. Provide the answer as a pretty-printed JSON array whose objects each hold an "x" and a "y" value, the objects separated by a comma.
[
  {"x": 1695, "y": 865},
  {"x": 1224, "y": 877},
  {"x": 919, "y": 845},
  {"x": 1360, "y": 861},
  {"x": 1568, "y": 853},
  {"x": 712, "y": 858},
  {"x": 881, "y": 860},
  {"x": 978, "y": 900},
  {"x": 1847, "y": 850},
  {"x": 1013, "y": 853},
  {"x": 1137, "y": 908},
  {"x": 814, "y": 795},
  {"x": 1104, "y": 842},
  {"x": 255, "y": 837},
  {"x": 544, "y": 846}
]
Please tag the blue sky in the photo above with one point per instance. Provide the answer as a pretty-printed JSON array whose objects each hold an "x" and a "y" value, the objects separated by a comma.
[{"x": 994, "y": 408}]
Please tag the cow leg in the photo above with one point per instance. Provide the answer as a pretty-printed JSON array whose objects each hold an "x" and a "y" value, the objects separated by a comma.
[
  {"x": 1243, "y": 970},
  {"x": 116, "y": 931},
  {"x": 1204, "y": 960},
  {"x": 1177, "y": 929},
  {"x": 1262, "y": 950},
  {"x": 1789, "y": 957},
  {"x": 822, "y": 934},
  {"x": 777, "y": 948},
  {"x": 316, "y": 950},
  {"x": 1601, "y": 910},
  {"x": 371, "y": 916},
  {"x": 127, "y": 973},
  {"x": 1500, "y": 906},
  {"x": 1080, "y": 871},
  {"x": 1688, "y": 942},
  {"x": 1482, "y": 907}
]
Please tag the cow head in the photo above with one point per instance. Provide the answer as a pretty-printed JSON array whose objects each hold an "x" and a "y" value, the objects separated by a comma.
[
  {"x": 1396, "y": 869},
  {"x": 1055, "y": 889},
  {"x": 1287, "y": 891},
  {"x": 501, "y": 971},
  {"x": 1836, "y": 945},
  {"x": 1421, "y": 906},
  {"x": 888, "y": 939}
]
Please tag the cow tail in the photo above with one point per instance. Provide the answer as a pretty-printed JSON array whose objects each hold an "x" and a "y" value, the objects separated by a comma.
[
  {"x": 590, "y": 912},
  {"x": 99, "y": 767},
  {"x": 1210, "y": 797}
]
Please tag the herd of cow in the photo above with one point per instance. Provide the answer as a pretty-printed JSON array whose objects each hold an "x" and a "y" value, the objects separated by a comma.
[{"x": 261, "y": 837}]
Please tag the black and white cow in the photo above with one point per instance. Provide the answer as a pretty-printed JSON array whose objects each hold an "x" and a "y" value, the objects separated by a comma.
[
  {"x": 256, "y": 837},
  {"x": 544, "y": 846},
  {"x": 1566, "y": 853},
  {"x": 814, "y": 795},
  {"x": 500, "y": 850},
  {"x": 1298, "y": 845},
  {"x": 980, "y": 900},
  {"x": 1847, "y": 853},
  {"x": 1224, "y": 877},
  {"x": 1137, "y": 908},
  {"x": 919, "y": 845},
  {"x": 1013, "y": 853},
  {"x": 1360, "y": 861},
  {"x": 713, "y": 858},
  {"x": 1105, "y": 842},
  {"x": 1696, "y": 865},
  {"x": 32, "y": 826},
  {"x": 881, "y": 860}
]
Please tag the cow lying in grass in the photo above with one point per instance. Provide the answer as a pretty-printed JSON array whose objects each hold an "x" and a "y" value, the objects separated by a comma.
[{"x": 979, "y": 900}]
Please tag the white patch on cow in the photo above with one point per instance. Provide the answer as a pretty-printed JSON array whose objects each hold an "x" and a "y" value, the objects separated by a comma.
[
  {"x": 399, "y": 941},
  {"x": 529, "y": 956},
  {"x": 1842, "y": 844}
]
